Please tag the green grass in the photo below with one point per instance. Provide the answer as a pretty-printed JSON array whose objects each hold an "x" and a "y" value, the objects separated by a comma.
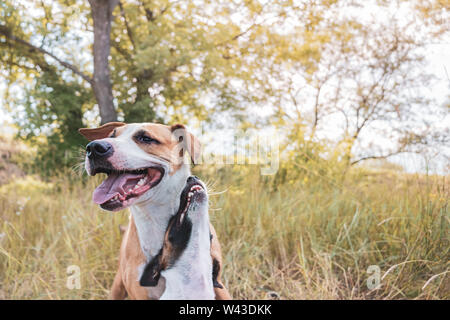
[{"x": 309, "y": 238}]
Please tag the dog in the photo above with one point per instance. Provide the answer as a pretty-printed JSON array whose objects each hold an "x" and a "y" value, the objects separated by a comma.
[{"x": 146, "y": 172}]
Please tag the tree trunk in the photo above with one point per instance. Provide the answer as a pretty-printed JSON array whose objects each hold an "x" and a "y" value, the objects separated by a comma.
[{"x": 102, "y": 17}]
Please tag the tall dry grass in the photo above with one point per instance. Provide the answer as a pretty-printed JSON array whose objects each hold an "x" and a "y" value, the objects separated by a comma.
[
  {"x": 315, "y": 239},
  {"x": 308, "y": 238}
]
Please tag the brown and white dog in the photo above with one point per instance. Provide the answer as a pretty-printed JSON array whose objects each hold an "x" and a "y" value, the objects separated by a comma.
[{"x": 147, "y": 173}]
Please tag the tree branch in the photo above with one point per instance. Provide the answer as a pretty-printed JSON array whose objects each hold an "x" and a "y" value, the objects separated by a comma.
[
  {"x": 148, "y": 13},
  {"x": 4, "y": 31},
  {"x": 130, "y": 34},
  {"x": 377, "y": 157}
]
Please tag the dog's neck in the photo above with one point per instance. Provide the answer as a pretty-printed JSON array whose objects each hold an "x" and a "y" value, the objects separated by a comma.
[
  {"x": 151, "y": 223},
  {"x": 152, "y": 217}
]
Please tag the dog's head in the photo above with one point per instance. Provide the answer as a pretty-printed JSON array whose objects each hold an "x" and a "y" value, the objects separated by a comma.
[{"x": 143, "y": 161}]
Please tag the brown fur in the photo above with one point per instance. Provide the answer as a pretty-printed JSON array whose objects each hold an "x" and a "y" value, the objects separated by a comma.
[
  {"x": 100, "y": 132},
  {"x": 126, "y": 282},
  {"x": 216, "y": 253}
]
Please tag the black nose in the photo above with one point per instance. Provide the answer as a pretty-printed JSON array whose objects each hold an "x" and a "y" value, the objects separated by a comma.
[
  {"x": 98, "y": 149},
  {"x": 192, "y": 178}
]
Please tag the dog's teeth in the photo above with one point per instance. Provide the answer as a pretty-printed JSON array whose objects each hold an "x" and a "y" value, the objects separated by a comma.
[
  {"x": 196, "y": 188},
  {"x": 141, "y": 182},
  {"x": 190, "y": 194}
]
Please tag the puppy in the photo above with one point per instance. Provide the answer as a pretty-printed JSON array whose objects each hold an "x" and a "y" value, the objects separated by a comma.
[{"x": 184, "y": 260}]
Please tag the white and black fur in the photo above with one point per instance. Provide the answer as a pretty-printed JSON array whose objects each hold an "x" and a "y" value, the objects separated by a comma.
[{"x": 184, "y": 259}]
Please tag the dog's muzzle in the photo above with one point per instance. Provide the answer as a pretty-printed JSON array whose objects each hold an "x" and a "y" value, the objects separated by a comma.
[{"x": 97, "y": 157}]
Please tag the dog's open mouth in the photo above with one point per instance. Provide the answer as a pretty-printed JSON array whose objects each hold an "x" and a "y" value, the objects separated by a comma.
[
  {"x": 122, "y": 186},
  {"x": 189, "y": 194}
]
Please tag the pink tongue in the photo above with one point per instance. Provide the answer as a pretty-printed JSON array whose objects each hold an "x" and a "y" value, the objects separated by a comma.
[{"x": 113, "y": 185}]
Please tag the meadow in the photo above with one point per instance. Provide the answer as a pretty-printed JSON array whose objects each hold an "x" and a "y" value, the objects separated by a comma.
[{"x": 312, "y": 237}]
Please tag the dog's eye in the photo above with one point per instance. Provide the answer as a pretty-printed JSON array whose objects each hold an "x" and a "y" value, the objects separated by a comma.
[{"x": 146, "y": 139}]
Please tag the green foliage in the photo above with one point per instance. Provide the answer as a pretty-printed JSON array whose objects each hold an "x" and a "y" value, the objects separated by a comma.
[
  {"x": 189, "y": 55},
  {"x": 172, "y": 61},
  {"x": 51, "y": 104},
  {"x": 59, "y": 105}
]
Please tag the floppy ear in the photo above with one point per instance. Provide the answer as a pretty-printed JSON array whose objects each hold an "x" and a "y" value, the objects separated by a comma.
[
  {"x": 189, "y": 142},
  {"x": 100, "y": 132}
]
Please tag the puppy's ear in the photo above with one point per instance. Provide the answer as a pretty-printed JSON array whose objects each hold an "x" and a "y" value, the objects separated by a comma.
[
  {"x": 100, "y": 132},
  {"x": 187, "y": 142}
]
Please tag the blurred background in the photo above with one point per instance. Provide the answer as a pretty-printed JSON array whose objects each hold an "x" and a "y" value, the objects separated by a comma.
[{"x": 358, "y": 92}]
